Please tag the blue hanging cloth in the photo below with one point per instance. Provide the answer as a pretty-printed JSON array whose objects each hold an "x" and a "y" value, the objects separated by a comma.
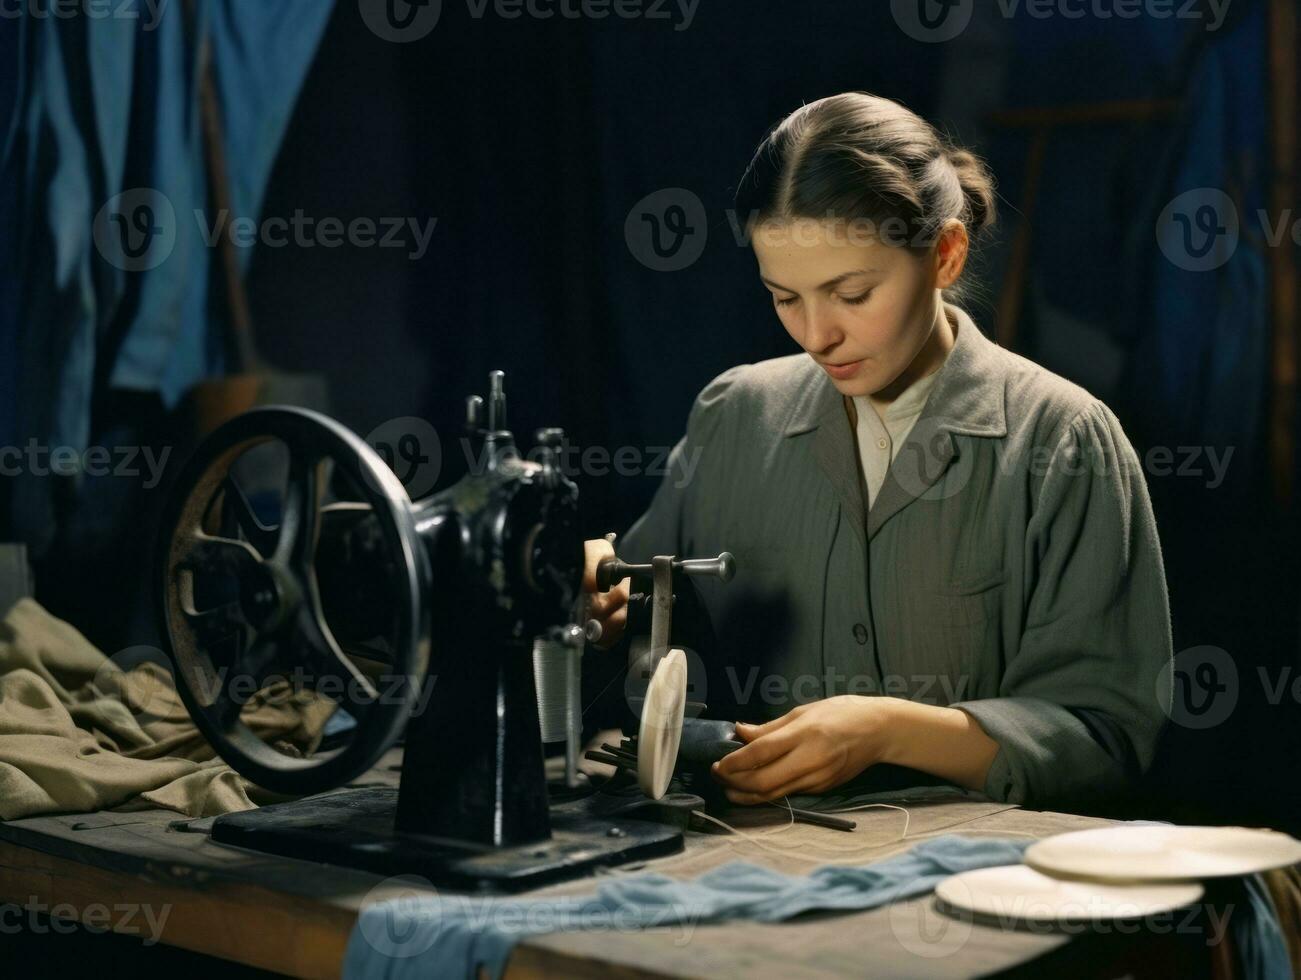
[{"x": 105, "y": 278}]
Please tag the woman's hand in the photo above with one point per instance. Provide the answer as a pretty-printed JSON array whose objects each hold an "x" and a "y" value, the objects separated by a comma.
[
  {"x": 810, "y": 749},
  {"x": 610, "y": 609},
  {"x": 818, "y": 746}
]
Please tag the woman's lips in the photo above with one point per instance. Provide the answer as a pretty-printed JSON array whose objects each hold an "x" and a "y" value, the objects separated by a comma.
[{"x": 842, "y": 372}]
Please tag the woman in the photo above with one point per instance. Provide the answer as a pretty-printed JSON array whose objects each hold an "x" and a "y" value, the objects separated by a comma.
[{"x": 946, "y": 554}]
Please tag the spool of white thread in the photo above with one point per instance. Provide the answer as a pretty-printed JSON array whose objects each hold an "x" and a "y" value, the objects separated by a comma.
[
  {"x": 660, "y": 732},
  {"x": 551, "y": 676}
]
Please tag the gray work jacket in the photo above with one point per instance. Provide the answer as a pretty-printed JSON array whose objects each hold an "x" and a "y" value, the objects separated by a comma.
[{"x": 1009, "y": 566}]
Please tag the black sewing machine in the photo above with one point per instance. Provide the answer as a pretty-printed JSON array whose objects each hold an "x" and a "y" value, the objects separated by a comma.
[{"x": 425, "y": 619}]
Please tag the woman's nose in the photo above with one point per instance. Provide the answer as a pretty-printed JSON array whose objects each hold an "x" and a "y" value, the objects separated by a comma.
[{"x": 820, "y": 330}]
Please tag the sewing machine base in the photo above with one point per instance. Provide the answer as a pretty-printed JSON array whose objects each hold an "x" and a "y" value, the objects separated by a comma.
[{"x": 354, "y": 829}]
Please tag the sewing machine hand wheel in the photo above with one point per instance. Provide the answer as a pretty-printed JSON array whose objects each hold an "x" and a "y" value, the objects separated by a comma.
[{"x": 242, "y": 606}]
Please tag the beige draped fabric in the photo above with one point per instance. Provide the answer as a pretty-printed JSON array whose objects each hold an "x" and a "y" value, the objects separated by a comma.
[{"x": 79, "y": 734}]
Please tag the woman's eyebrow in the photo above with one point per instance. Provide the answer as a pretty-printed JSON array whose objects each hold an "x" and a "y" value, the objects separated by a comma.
[{"x": 829, "y": 284}]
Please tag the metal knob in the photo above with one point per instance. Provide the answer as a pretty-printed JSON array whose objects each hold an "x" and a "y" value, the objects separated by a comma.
[
  {"x": 474, "y": 413},
  {"x": 722, "y": 568},
  {"x": 496, "y": 400}
]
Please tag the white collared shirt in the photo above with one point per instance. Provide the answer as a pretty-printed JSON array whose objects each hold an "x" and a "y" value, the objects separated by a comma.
[{"x": 880, "y": 435}]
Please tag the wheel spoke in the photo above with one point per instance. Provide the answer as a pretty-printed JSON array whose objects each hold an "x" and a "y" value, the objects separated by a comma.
[
  {"x": 211, "y": 554},
  {"x": 242, "y": 680},
  {"x": 333, "y": 672},
  {"x": 262, "y": 538},
  {"x": 300, "y": 522},
  {"x": 212, "y": 626}
]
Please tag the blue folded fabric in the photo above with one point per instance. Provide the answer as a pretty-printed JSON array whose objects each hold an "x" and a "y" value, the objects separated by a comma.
[{"x": 455, "y": 936}]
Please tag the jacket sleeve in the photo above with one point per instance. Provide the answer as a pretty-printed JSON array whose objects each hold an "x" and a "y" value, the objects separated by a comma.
[
  {"x": 664, "y": 528},
  {"x": 1080, "y": 705}
]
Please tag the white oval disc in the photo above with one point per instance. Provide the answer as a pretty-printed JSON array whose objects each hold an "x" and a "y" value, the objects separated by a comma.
[
  {"x": 1161, "y": 852},
  {"x": 1015, "y": 894},
  {"x": 661, "y": 724}
]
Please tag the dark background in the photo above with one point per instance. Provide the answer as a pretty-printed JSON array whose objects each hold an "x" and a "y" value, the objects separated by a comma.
[{"x": 531, "y": 141}]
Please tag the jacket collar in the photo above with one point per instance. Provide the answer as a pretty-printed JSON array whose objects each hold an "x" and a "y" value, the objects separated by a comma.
[{"x": 967, "y": 398}]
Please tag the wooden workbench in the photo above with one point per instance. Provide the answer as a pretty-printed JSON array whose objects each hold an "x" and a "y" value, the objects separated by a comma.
[{"x": 296, "y": 917}]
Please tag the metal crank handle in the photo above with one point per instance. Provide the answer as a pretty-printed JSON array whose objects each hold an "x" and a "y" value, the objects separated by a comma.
[{"x": 611, "y": 571}]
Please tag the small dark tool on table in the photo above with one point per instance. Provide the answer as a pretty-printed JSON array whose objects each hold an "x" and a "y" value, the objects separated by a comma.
[{"x": 423, "y": 617}]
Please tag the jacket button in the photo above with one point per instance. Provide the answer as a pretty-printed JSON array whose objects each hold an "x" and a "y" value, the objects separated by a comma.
[{"x": 860, "y": 633}]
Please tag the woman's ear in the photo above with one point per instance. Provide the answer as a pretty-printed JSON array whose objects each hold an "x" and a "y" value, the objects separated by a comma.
[{"x": 950, "y": 253}]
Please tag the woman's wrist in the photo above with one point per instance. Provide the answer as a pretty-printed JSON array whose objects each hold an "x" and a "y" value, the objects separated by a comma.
[{"x": 945, "y": 742}]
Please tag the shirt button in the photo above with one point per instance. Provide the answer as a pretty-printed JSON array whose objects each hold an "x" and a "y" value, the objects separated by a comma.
[
  {"x": 880, "y": 444},
  {"x": 860, "y": 633}
]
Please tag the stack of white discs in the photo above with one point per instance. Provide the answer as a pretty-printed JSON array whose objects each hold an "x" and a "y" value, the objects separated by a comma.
[{"x": 1123, "y": 872}]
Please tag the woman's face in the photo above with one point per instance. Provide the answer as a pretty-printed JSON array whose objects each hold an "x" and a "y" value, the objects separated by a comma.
[{"x": 862, "y": 309}]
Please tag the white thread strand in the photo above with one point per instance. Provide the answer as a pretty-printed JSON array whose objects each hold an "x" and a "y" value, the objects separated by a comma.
[{"x": 804, "y": 848}]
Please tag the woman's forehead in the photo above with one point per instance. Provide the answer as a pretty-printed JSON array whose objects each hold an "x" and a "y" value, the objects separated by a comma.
[{"x": 806, "y": 248}]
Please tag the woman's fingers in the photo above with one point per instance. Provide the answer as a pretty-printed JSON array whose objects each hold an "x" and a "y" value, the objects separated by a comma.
[
  {"x": 612, "y": 627},
  {"x": 610, "y": 609},
  {"x": 593, "y": 552},
  {"x": 771, "y": 777},
  {"x": 750, "y": 732},
  {"x": 809, "y": 782},
  {"x": 761, "y": 752}
]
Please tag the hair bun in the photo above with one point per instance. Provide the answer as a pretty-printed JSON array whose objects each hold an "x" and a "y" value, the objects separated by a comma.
[{"x": 977, "y": 186}]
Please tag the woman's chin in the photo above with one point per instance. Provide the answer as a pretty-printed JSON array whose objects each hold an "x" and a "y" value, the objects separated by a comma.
[{"x": 862, "y": 383}]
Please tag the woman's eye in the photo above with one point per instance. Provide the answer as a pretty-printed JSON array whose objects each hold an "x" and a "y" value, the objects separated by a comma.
[
  {"x": 858, "y": 300},
  {"x": 784, "y": 302}
]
